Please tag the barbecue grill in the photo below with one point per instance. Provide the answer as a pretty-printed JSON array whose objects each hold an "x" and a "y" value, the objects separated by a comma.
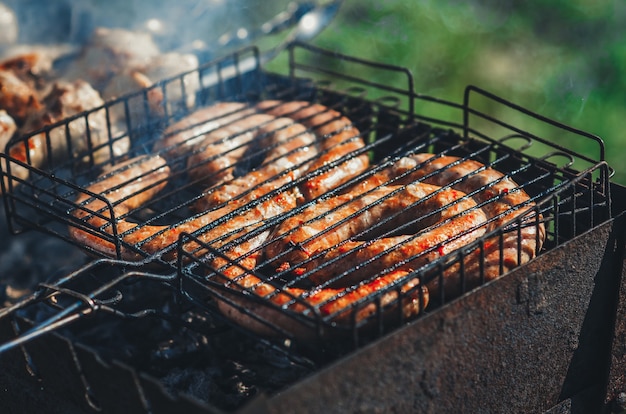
[{"x": 536, "y": 339}]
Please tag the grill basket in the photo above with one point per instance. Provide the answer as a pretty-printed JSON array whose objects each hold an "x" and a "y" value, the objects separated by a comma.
[{"x": 570, "y": 192}]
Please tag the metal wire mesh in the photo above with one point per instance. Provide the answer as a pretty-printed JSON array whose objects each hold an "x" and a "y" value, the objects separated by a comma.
[{"x": 568, "y": 194}]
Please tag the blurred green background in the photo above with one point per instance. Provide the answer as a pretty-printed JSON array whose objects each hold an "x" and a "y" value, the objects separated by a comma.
[{"x": 564, "y": 59}]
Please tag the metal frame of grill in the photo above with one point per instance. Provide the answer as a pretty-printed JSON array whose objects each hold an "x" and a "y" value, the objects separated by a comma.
[
  {"x": 392, "y": 123},
  {"x": 574, "y": 197}
]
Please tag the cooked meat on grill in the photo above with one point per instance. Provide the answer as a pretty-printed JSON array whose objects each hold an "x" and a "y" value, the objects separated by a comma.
[
  {"x": 141, "y": 108},
  {"x": 182, "y": 137},
  {"x": 330, "y": 239},
  {"x": 221, "y": 136},
  {"x": 7, "y": 129},
  {"x": 118, "y": 61},
  {"x": 158, "y": 68},
  {"x": 17, "y": 96},
  {"x": 168, "y": 65},
  {"x": 110, "y": 51},
  {"x": 287, "y": 149},
  {"x": 389, "y": 224},
  {"x": 339, "y": 142},
  {"x": 125, "y": 186},
  {"x": 34, "y": 101},
  {"x": 335, "y": 305},
  {"x": 150, "y": 174},
  {"x": 89, "y": 142},
  {"x": 504, "y": 202},
  {"x": 215, "y": 158},
  {"x": 33, "y": 65},
  {"x": 114, "y": 62}
]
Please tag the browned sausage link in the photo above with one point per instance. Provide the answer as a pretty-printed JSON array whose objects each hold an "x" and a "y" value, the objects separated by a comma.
[
  {"x": 337, "y": 301},
  {"x": 338, "y": 138},
  {"x": 345, "y": 143},
  {"x": 212, "y": 228},
  {"x": 325, "y": 230},
  {"x": 336, "y": 305},
  {"x": 244, "y": 252},
  {"x": 140, "y": 180},
  {"x": 289, "y": 149},
  {"x": 183, "y": 136},
  {"x": 502, "y": 200},
  {"x": 214, "y": 160},
  {"x": 126, "y": 186}
]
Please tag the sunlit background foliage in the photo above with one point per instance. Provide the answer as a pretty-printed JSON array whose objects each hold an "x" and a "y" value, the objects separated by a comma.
[{"x": 565, "y": 59}]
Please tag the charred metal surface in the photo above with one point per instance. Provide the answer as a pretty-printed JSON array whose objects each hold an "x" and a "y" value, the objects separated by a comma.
[
  {"x": 616, "y": 388},
  {"x": 23, "y": 388},
  {"x": 51, "y": 375},
  {"x": 523, "y": 343}
]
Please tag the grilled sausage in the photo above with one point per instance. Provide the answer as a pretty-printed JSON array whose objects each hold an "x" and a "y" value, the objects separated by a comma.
[
  {"x": 506, "y": 204},
  {"x": 288, "y": 150},
  {"x": 306, "y": 244},
  {"x": 218, "y": 137},
  {"x": 339, "y": 140},
  {"x": 120, "y": 190},
  {"x": 326, "y": 240},
  {"x": 140, "y": 179},
  {"x": 182, "y": 137},
  {"x": 133, "y": 184},
  {"x": 214, "y": 160},
  {"x": 136, "y": 181},
  {"x": 270, "y": 310}
]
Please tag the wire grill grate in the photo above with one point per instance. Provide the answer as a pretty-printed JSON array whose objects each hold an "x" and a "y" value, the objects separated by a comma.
[{"x": 569, "y": 192}]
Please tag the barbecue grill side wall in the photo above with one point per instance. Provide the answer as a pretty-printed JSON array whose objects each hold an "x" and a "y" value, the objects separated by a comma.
[
  {"x": 521, "y": 343},
  {"x": 615, "y": 399}
]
